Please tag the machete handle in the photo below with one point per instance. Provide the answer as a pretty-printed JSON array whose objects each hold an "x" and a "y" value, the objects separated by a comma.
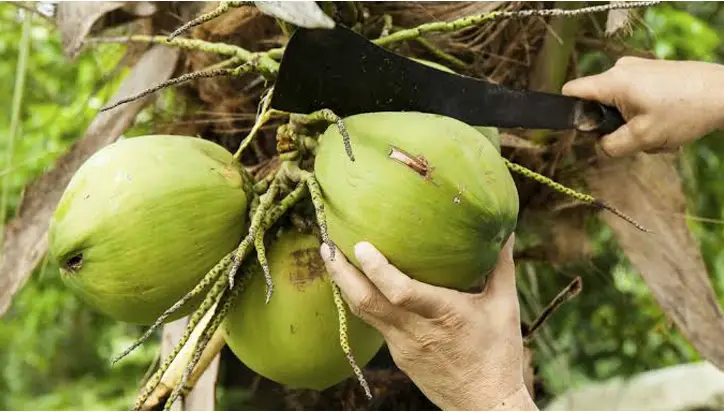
[{"x": 592, "y": 116}]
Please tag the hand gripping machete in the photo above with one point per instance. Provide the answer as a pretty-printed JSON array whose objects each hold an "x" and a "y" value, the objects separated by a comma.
[{"x": 340, "y": 70}]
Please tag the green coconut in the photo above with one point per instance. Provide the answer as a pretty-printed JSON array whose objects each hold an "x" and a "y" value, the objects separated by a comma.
[
  {"x": 294, "y": 339},
  {"x": 143, "y": 220},
  {"x": 491, "y": 133},
  {"x": 426, "y": 190}
]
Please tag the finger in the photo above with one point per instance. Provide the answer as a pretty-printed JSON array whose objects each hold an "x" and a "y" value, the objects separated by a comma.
[
  {"x": 501, "y": 282},
  {"x": 599, "y": 87},
  {"x": 623, "y": 141},
  {"x": 399, "y": 289},
  {"x": 363, "y": 298}
]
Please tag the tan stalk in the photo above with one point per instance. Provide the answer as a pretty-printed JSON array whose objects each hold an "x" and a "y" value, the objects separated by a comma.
[{"x": 174, "y": 374}]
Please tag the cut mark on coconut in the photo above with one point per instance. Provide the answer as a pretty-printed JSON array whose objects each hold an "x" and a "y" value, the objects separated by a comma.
[{"x": 417, "y": 163}]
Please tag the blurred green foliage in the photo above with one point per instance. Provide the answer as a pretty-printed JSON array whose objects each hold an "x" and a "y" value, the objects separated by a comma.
[
  {"x": 614, "y": 327},
  {"x": 55, "y": 352}
]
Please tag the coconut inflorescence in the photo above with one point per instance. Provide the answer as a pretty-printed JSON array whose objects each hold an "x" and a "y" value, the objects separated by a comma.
[
  {"x": 294, "y": 339},
  {"x": 428, "y": 191},
  {"x": 144, "y": 219}
]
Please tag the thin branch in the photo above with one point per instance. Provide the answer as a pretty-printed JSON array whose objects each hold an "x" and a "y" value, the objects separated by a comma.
[
  {"x": 182, "y": 79},
  {"x": 568, "y": 293},
  {"x": 180, "y": 42},
  {"x": 223, "y": 8},
  {"x": 499, "y": 15},
  {"x": 264, "y": 63}
]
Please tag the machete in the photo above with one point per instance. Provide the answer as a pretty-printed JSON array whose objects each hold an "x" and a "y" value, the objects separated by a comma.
[{"x": 340, "y": 70}]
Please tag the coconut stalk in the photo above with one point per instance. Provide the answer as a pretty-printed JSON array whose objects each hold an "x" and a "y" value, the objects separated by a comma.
[
  {"x": 551, "y": 67},
  {"x": 174, "y": 374}
]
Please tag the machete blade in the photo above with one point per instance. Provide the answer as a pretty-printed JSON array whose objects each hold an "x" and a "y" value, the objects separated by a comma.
[{"x": 340, "y": 70}]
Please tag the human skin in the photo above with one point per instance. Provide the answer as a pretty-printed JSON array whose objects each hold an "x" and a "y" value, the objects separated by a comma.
[
  {"x": 666, "y": 104},
  {"x": 463, "y": 350}
]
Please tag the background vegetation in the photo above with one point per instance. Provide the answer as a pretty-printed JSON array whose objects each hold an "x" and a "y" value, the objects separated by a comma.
[{"x": 55, "y": 352}]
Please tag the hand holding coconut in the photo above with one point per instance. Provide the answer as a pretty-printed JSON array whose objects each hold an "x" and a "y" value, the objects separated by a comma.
[
  {"x": 665, "y": 103},
  {"x": 464, "y": 351}
]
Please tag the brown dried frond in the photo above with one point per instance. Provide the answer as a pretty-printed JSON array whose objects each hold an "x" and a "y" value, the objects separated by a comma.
[
  {"x": 223, "y": 109},
  {"x": 500, "y": 51}
]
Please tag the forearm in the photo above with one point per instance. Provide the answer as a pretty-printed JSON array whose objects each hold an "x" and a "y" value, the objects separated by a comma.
[
  {"x": 714, "y": 88},
  {"x": 486, "y": 399}
]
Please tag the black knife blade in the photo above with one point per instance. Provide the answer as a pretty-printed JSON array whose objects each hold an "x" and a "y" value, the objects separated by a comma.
[{"x": 340, "y": 70}]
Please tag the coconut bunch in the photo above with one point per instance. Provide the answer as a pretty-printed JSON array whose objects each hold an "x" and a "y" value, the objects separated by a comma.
[
  {"x": 157, "y": 227},
  {"x": 506, "y": 51}
]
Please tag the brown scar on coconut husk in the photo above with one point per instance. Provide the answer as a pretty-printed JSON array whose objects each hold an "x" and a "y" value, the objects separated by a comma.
[{"x": 309, "y": 267}]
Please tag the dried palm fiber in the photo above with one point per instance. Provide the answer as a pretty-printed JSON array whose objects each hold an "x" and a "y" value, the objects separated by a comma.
[{"x": 224, "y": 108}]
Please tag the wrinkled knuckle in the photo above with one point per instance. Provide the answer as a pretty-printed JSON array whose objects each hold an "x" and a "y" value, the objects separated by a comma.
[
  {"x": 354, "y": 309},
  {"x": 427, "y": 342},
  {"x": 402, "y": 295},
  {"x": 405, "y": 356},
  {"x": 451, "y": 318},
  {"x": 366, "y": 304}
]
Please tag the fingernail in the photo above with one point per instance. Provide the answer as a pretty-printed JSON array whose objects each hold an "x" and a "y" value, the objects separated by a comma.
[
  {"x": 325, "y": 252},
  {"x": 364, "y": 251}
]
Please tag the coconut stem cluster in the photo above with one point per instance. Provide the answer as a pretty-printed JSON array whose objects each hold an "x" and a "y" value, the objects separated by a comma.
[
  {"x": 262, "y": 117},
  {"x": 224, "y": 303},
  {"x": 267, "y": 208},
  {"x": 209, "y": 301},
  {"x": 278, "y": 193}
]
